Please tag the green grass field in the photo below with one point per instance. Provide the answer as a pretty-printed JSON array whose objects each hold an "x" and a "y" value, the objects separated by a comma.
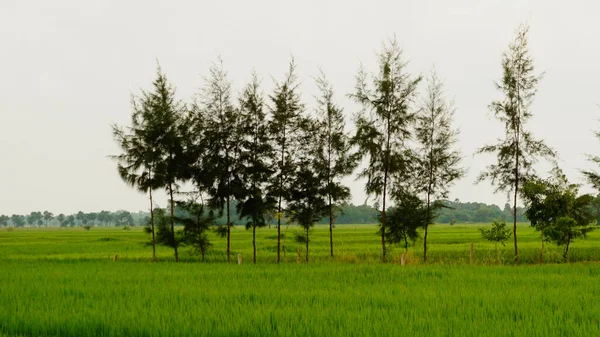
[{"x": 63, "y": 282}]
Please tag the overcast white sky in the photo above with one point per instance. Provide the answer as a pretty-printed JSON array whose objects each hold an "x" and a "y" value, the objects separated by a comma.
[{"x": 67, "y": 69}]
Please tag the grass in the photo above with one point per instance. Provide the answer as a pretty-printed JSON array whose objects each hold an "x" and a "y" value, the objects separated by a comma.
[
  {"x": 62, "y": 282},
  {"x": 353, "y": 244}
]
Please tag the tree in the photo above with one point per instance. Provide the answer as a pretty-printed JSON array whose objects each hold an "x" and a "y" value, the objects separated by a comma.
[
  {"x": 48, "y": 216},
  {"x": 383, "y": 127},
  {"x": 518, "y": 151},
  {"x": 168, "y": 137},
  {"x": 335, "y": 155},
  {"x": 256, "y": 151},
  {"x": 196, "y": 225},
  {"x": 61, "y": 219},
  {"x": 105, "y": 217},
  {"x": 499, "y": 233},
  {"x": 70, "y": 220},
  {"x": 437, "y": 163},
  {"x": 308, "y": 191},
  {"x": 91, "y": 217},
  {"x": 404, "y": 220},
  {"x": 165, "y": 233},
  {"x": 34, "y": 218},
  {"x": 557, "y": 211},
  {"x": 222, "y": 137},
  {"x": 80, "y": 216},
  {"x": 140, "y": 148},
  {"x": 17, "y": 220},
  {"x": 123, "y": 218},
  {"x": 286, "y": 112},
  {"x": 4, "y": 220}
]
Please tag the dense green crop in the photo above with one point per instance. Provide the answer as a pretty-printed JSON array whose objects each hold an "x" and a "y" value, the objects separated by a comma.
[
  {"x": 64, "y": 283},
  {"x": 359, "y": 244}
]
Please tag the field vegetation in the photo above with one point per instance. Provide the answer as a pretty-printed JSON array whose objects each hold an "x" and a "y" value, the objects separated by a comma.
[{"x": 64, "y": 282}]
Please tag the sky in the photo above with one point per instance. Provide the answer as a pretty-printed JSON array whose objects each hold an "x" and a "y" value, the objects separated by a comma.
[{"x": 68, "y": 68}]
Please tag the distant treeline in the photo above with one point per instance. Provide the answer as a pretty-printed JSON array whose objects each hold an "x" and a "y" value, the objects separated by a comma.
[
  {"x": 457, "y": 212},
  {"x": 46, "y": 219},
  {"x": 476, "y": 212}
]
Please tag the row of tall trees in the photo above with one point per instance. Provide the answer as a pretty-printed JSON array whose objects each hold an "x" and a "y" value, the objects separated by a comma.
[
  {"x": 289, "y": 159},
  {"x": 270, "y": 158},
  {"x": 270, "y": 154}
]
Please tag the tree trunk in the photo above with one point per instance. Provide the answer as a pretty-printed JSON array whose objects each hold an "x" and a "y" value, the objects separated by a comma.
[
  {"x": 383, "y": 219},
  {"x": 280, "y": 197},
  {"x": 152, "y": 227},
  {"x": 427, "y": 225},
  {"x": 329, "y": 183},
  {"x": 330, "y": 228},
  {"x": 515, "y": 209},
  {"x": 307, "y": 228},
  {"x": 173, "y": 222},
  {"x": 385, "y": 178},
  {"x": 228, "y": 230},
  {"x": 279, "y": 231},
  {"x": 254, "y": 241}
]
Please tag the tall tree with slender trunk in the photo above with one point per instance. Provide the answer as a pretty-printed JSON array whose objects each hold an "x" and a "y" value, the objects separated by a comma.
[
  {"x": 255, "y": 159},
  {"x": 140, "y": 151},
  {"x": 48, "y": 216},
  {"x": 518, "y": 151},
  {"x": 383, "y": 128},
  {"x": 437, "y": 164},
  {"x": 222, "y": 136},
  {"x": 286, "y": 110},
  {"x": 335, "y": 155},
  {"x": 308, "y": 198},
  {"x": 165, "y": 126}
]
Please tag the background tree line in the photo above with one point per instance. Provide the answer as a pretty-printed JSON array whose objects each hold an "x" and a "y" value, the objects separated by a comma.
[
  {"x": 454, "y": 212},
  {"x": 102, "y": 218}
]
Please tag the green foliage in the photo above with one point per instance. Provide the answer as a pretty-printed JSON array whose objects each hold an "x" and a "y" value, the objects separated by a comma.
[
  {"x": 284, "y": 126},
  {"x": 165, "y": 235},
  {"x": 334, "y": 157},
  {"x": 308, "y": 194},
  {"x": 476, "y": 212},
  {"x": 519, "y": 150},
  {"x": 221, "y": 138},
  {"x": 437, "y": 165},
  {"x": 404, "y": 220},
  {"x": 35, "y": 218},
  {"x": 499, "y": 233},
  {"x": 556, "y": 210},
  {"x": 197, "y": 224},
  {"x": 17, "y": 220},
  {"x": 383, "y": 126},
  {"x": 256, "y": 160}
]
